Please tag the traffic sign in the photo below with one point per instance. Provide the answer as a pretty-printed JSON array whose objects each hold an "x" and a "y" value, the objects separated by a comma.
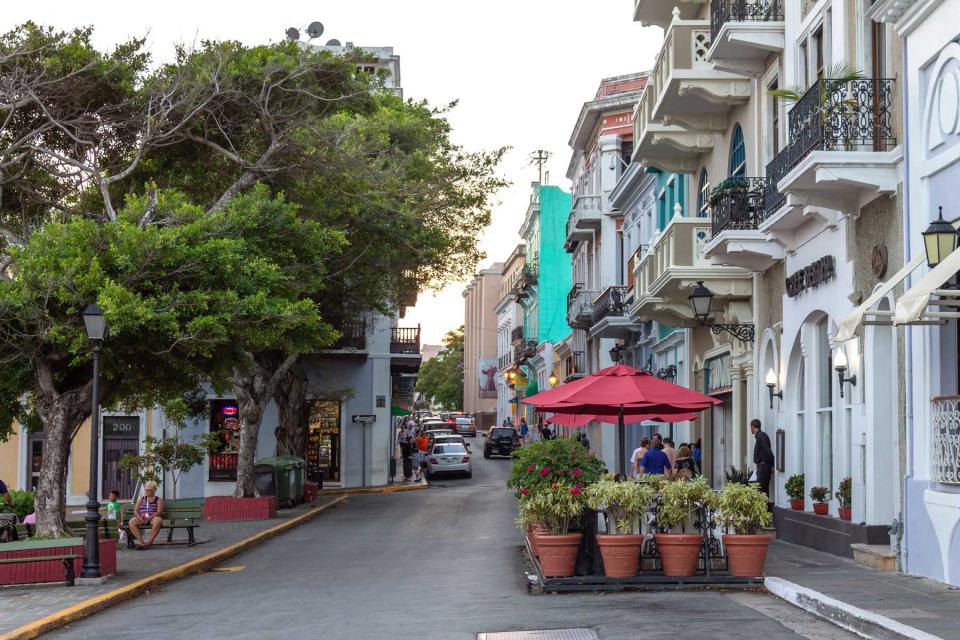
[{"x": 365, "y": 419}]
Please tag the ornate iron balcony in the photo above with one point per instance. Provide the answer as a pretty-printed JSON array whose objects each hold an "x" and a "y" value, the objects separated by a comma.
[
  {"x": 946, "y": 439},
  {"x": 574, "y": 367},
  {"x": 405, "y": 340},
  {"x": 522, "y": 353},
  {"x": 724, "y": 11},
  {"x": 834, "y": 115},
  {"x": 610, "y": 303},
  {"x": 516, "y": 335},
  {"x": 580, "y": 307},
  {"x": 737, "y": 204}
]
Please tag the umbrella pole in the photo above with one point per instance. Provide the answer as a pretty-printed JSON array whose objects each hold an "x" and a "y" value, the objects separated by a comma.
[{"x": 621, "y": 444}]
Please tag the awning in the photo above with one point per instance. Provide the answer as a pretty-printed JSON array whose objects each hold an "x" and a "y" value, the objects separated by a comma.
[
  {"x": 532, "y": 388},
  {"x": 399, "y": 411},
  {"x": 912, "y": 307},
  {"x": 848, "y": 326}
]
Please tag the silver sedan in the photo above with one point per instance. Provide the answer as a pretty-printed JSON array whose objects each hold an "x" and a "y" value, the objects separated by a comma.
[{"x": 449, "y": 458}]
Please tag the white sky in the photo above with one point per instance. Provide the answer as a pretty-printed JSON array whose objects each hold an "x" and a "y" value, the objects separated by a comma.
[{"x": 521, "y": 69}]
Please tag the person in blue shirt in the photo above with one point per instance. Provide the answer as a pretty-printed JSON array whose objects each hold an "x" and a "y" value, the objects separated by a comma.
[{"x": 656, "y": 463}]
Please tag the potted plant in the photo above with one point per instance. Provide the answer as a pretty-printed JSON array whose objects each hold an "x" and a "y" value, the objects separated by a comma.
[
  {"x": 529, "y": 521},
  {"x": 730, "y": 185},
  {"x": 743, "y": 508},
  {"x": 622, "y": 503},
  {"x": 795, "y": 486},
  {"x": 557, "y": 507},
  {"x": 820, "y": 496},
  {"x": 844, "y": 496},
  {"x": 677, "y": 503}
]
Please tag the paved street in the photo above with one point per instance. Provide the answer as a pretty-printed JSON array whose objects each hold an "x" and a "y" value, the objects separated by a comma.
[{"x": 443, "y": 563}]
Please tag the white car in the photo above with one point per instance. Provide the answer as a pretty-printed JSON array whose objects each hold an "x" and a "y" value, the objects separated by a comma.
[
  {"x": 449, "y": 458},
  {"x": 451, "y": 438}
]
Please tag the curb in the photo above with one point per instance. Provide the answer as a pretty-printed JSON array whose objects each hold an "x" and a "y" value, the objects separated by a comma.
[
  {"x": 126, "y": 592},
  {"x": 389, "y": 488},
  {"x": 866, "y": 624}
]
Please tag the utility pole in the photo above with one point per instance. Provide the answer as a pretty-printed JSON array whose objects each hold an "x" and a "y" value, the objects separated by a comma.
[{"x": 539, "y": 158}]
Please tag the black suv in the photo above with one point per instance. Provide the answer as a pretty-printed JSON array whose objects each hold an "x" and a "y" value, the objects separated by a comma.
[{"x": 501, "y": 441}]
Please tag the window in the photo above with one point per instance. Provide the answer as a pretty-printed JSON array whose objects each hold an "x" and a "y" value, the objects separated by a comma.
[
  {"x": 774, "y": 119},
  {"x": 825, "y": 378},
  {"x": 802, "y": 62},
  {"x": 703, "y": 195},
  {"x": 738, "y": 153},
  {"x": 801, "y": 415},
  {"x": 626, "y": 152},
  {"x": 225, "y": 421},
  {"x": 818, "y": 59}
]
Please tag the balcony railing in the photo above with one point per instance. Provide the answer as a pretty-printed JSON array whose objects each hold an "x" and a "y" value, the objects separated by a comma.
[
  {"x": 946, "y": 439},
  {"x": 612, "y": 302},
  {"x": 737, "y": 204},
  {"x": 405, "y": 340},
  {"x": 516, "y": 335},
  {"x": 580, "y": 307},
  {"x": 724, "y": 11},
  {"x": 523, "y": 352},
  {"x": 573, "y": 366},
  {"x": 504, "y": 361},
  {"x": 353, "y": 335},
  {"x": 684, "y": 48},
  {"x": 834, "y": 115}
]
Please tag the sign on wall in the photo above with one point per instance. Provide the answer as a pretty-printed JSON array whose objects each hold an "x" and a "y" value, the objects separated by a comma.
[
  {"x": 811, "y": 276},
  {"x": 487, "y": 369}
]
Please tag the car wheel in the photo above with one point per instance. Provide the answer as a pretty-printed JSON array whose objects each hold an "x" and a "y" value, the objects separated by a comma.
[
  {"x": 469, "y": 474},
  {"x": 486, "y": 453}
]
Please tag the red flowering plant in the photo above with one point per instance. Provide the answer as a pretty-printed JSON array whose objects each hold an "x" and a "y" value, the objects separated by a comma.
[
  {"x": 556, "y": 507},
  {"x": 540, "y": 465}
]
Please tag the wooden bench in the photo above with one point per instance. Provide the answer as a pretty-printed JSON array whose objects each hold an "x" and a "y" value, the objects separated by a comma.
[
  {"x": 176, "y": 515},
  {"x": 66, "y": 558}
]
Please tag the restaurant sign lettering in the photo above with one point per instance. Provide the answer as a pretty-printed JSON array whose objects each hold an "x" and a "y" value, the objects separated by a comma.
[{"x": 812, "y": 275}]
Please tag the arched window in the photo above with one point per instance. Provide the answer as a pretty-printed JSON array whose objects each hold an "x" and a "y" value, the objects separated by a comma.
[
  {"x": 703, "y": 194},
  {"x": 738, "y": 153}
]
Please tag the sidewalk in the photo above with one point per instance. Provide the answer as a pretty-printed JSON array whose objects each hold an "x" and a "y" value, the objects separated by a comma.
[
  {"x": 917, "y": 603},
  {"x": 25, "y": 604}
]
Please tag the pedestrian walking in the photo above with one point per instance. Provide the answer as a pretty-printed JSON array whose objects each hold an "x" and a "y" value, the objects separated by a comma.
[
  {"x": 656, "y": 463},
  {"x": 684, "y": 467},
  {"x": 524, "y": 431},
  {"x": 762, "y": 456},
  {"x": 637, "y": 456},
  {"x": 406, "y": 442},
  {"x": 423, "y": 446},
  {"x": 698, "y": 456},
  {"x": 669, "y": 450}
]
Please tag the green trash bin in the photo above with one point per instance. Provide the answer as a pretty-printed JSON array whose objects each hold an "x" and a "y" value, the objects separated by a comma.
[{"x": 287, "y": 482}]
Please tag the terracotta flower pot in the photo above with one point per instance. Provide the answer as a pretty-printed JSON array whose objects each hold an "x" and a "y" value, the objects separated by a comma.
[
  {"x": 821, "y": 508},
  {"x": 796, "y": 505},
  {"x": 746, "y": 554},
  {"x": 533, "y": 530},
  {"x": 621, "y": 554},
  {"x": 558, "y": 554},
  {"x": 845, "y": 513},
  {"x": 679, "y": 552}
]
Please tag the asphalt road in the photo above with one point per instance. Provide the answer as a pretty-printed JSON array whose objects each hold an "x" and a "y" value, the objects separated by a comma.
[{"x": 438, "y": 564}]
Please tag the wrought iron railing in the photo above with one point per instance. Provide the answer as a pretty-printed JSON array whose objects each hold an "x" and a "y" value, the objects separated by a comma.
[
  {"x": 835, "y": 115},
  {"x": 353, "y": 335},
  {"x": 574, "y": 290},
  {"x": 405, "y": 340},
  {"x": 580, "y": 308},
  {"x": 573, "y": 366},
  {"x": 612, "y": 302},
  {"x": 737, "y": 205},
  {"x": 946, "y": 439},
  {"x": 523, "y": 352},
  {"x": 528, "y": 276},
  {"x": 724, "y": 11},
  {"x": 516, "y": 335}
]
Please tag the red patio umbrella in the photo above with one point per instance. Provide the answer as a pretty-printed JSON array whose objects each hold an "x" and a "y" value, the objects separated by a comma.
[
  {"x": 621, "y": 390},
  {"x": 580, "y": 419}
]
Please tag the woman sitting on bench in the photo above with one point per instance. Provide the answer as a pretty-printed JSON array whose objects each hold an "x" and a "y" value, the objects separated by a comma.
[{"x": 147, "y": 511}]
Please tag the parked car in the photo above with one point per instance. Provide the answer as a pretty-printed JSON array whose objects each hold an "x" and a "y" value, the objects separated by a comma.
[
  {"x": 433, "y": 434},
  {"x": 449, "y": 458},
  {"x": 500, "y": 441},
  {"x": 467, "y": 427},
  {"x": 451, "y": 438},
  {"x": 428, "y": 425}
]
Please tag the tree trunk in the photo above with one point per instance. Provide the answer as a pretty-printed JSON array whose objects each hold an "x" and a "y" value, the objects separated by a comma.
[
  {"x": 254, "y": 386},
  {"x": 61, "y": 414},
  {"x": 291, "y": 398}
]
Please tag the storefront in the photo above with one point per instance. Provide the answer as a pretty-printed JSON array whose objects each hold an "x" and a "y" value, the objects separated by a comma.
[{"x": 323, "y": 441}]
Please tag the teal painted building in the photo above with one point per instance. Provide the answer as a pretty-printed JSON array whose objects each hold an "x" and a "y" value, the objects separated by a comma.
[{"x": 545, "y": 231}]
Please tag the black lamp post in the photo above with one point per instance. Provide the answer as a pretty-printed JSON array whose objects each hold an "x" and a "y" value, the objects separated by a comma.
[
  {"x": 700, "y": 301},
  {"x": 96, "y": 326},
  {"x": 939, "y": 240}
]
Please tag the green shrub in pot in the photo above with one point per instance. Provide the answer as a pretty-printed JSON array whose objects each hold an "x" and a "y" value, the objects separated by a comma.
[
  {"x": 621, "y": 502},
  {"x": 795, "y": 486},
  {"x": 743, "y": 508}
]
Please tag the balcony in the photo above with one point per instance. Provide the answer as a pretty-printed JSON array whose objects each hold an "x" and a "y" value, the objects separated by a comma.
[
  {"x": 842, "y": 155},
  {"x": 743, "y": 33},
  {"x": 580, "y": 306},
  {"x": 524, "y": 352},
  {"x": 353, "y": 338},
  {"x": 610, "y": 317},
  {"x": 583, "y": 220},
  {"x": 670, "y": 148},
  {"x": 405, "y": 340},
  {"x": 505, "y": 361},
  {"x": 672, "y": 265},
  {"x": 737, "y": 208},
  {"x": 574, "y": 367},
  {"x": 516, "y": 335},
  {"x": 684, "y": 87},
  {"x": 526, "y": 280},
  {"x": 660, "y": 12}
]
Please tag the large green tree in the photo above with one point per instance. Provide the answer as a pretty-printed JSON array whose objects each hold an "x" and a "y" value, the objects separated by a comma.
[{"x": 441, "y": 378}]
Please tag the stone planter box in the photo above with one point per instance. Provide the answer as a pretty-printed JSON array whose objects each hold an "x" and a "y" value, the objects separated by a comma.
[
  {"x": 36, "y": 572},
  {"x": 831, "y": 535},
  {"x": 226, "y": 508}
]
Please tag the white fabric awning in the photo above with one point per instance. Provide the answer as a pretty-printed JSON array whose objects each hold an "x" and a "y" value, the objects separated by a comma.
[
  {"x": 849, "y": 325},
  {"x": 912, "y": 307}
]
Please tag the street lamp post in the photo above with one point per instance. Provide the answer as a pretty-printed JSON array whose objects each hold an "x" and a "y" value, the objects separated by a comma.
[{"x": 96, "y": 327}]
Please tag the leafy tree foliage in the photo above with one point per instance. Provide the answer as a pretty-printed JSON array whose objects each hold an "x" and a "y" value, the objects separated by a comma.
[{"x": 441, "y": 378}]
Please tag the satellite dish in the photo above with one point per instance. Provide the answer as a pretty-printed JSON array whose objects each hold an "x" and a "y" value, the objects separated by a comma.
[
  {"x": 293, "y": 34},
  {"x": 315, "y": 30},
  {"x": 334, "y": 43}
]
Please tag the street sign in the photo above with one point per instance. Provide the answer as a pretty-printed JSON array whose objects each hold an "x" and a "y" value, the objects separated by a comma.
[{"x": 365, "y": 419}]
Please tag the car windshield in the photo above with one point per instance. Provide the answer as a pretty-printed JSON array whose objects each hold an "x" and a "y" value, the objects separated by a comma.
[
  {"x": 449, "y": 448},
  {"x": 464, "y": 421},
  {"x": 502, "y": 433}
]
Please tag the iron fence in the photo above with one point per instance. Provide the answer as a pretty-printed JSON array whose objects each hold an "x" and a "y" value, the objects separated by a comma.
[
  {"x": 738, "y": 205},
  {"x": 612, "y": 302},
  {"x": 724, "y": 11}
]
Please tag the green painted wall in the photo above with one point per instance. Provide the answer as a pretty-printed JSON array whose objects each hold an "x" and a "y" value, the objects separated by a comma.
[
  {"x": 554, "y": 269},
  {"x": 671, "y": 189}
]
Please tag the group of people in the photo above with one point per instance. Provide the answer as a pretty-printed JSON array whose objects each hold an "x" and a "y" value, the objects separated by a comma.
[
  {"x": 524, "y": 429},
  {"x": 659, "y": 456},
  {"x": 413, "y": 446}
]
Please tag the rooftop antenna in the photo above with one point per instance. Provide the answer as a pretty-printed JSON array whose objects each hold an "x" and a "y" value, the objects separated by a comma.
[
  {"x": 314, "y": 30},
  {"x": 539, "y": 158}
]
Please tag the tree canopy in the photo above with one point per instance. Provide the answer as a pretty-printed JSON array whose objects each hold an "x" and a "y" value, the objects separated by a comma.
[{"x": 441, "y": 378}]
